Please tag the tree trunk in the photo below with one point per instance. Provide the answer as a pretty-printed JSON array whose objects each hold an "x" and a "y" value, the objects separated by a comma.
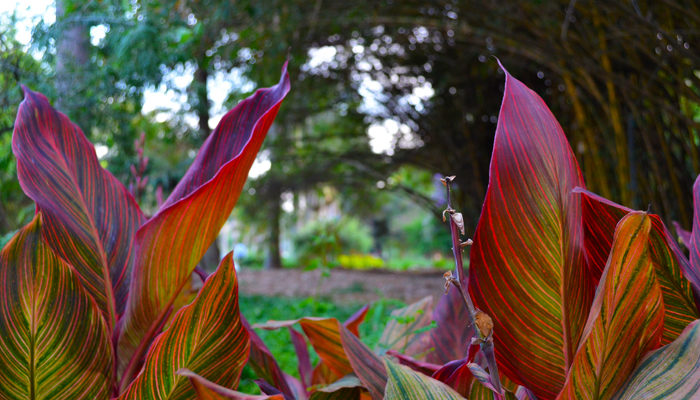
[
  {"x": 213, "y": 255},
  {"x": 274, "y": 258},
  {"x": 72, "y": 54}
]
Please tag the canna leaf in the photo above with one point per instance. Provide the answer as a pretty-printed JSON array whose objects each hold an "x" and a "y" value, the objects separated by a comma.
[
  {"x": 265, "y": 365},
  {"x": 457, "y": 375},
  {"x": 626, "y": 318},
  {"x": 171, "y": 243},
  {"x": 671, "y": 372},
  {"x": 54, "y": 342},
  {"x": 303, "y": 358},
  {"x": 600, "y": 216},
  {"x": 354, "y": 321},
  {"x": 208, "y": 390},
  {"x": 345, "y": 388},
  {"x": 89, "y": 218},
  {"x": 324, "y": 336},
  {"x": 527, "y": 267},
  {"x": 693, "y": 270},
  {"x": 406, "y": 384},
  {"x": 368, "y": 367},
  {"x": 683, "y": 235},
  {"x": 403, "y": 328},
  {"x": 451, "y": 337},
  {"x": 205, "y": 337}
]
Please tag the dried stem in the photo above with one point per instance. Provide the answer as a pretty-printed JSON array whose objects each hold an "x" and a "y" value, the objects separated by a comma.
[{"x": 478, "y": 319}]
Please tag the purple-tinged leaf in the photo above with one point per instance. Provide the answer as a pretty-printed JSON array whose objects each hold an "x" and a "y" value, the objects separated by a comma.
[
  {"x": 457, "y": 375},
  {"x": 682, "y": 234},
  {"x": 368, "y": 367},
  {"x": 527, "y": 264},
  {"x": 205, "y": 337},
  {"x": 324, "y": 336},
  {"x": 266, "y": 367},
  {"x": 345, "y": 388},
  {"x": 451, "y": 337},
  {"x": 423, "y": 367},
  {"x": 693, "y": 272},
  {"x": 208, "y": 390},
  {"x": 169, "y": 246},
  {"x": 89, "y": 218},
  {"x": 303, "y": 359},
  {"x": 54, "y": 343}
]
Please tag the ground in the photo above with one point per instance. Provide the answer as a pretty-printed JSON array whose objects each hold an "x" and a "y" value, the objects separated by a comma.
[{"x": 343, "y": 285}]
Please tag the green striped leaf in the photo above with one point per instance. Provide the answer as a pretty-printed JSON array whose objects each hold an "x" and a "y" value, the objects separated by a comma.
[
  {"x": 208, "y": 390},
  {"x": 368, "y": 367},
  {"x": 600, "y": 216},
  {"x": 527, "y": 264},
  {"x": 205, "y": 337},
  {"x": 89, "y": 218},
  {"x": 406, "y": 384},
  {"x": 626, "y": 318},
  {"x": 671, "y": 372},
  {"x": 404, "y": 326},
  {"x": 169, "y": 246},
  {"x": 54, "y": 342}
]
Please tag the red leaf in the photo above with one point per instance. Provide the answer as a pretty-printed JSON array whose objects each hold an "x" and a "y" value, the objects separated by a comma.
[
  {"x": 528, "y": 269},
  {"x": 90, "y": 219},
  {"x": 169, "y": 245}
]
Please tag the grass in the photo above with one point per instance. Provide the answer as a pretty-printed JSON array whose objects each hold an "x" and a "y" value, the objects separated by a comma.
[{"x": 259, "y": 309}]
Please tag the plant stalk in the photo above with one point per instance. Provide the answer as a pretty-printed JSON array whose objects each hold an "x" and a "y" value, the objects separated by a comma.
[{"x": 460, "y": 281}]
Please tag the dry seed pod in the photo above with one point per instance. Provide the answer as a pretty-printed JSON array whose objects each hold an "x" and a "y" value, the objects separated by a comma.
[
  {"x": 459, "y": 221},
  {"x": 484, "y": 322}
]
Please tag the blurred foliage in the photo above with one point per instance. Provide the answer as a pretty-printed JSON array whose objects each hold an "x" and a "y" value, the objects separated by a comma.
[
  {"x": 319, "y": 243},
  {"x": 621, "y": 76}
]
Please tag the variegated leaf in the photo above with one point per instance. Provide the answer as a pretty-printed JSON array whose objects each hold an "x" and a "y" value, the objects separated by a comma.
[
  {"x": 403, "y": 328},
  {"x": 205, "y": 337},
  {"x": 208, "y": 390},
  {"x": 89, "y": 218},
  {"x": 54, "y": 343},
  {"x": 324, "y": 336},
  {"x": 527, "y": 264},
  {"x": 600, "y": 216},
  {"x": 368, "y": 367},
  {"x": 669, "y": 373},
  {"x": 626, "y": 318},
  {"x": 169, "y": 246},
  {"x": 406, "y": 384}
]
